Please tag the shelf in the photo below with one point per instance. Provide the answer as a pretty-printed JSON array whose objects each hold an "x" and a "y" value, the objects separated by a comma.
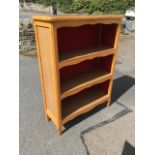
[
  {"x": 75, "y": 84},
  {"x": 82, "y": 102},
  {"x": 70, "y": 58}
]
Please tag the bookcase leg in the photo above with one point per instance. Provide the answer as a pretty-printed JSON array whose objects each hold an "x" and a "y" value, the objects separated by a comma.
[
  {"x": 58, "y": 128},
  {"x": 46, "y": 117},
  {"x": 108, "y": 104}
]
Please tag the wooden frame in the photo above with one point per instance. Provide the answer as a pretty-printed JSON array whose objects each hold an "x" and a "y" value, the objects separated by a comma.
[{"x": 55, "y": 65}]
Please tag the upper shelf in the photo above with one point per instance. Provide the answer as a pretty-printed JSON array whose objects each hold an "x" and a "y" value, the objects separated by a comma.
[
  {"x": 71, "y": 58},
  {"x": 76, "y": 44}
]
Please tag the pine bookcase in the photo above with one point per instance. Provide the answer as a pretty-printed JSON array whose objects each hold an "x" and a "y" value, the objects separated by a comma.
[{"x": 76, "y": 57}]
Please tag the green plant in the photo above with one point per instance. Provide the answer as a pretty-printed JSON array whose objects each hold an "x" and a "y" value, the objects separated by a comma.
[
  {"x": 88, "y": 6},
  {"x": 65, "y": 6},
  {"x": 95, "y": 6},
  {"x": 111, "y": 6},
  {"x": 79, "y": 5}
]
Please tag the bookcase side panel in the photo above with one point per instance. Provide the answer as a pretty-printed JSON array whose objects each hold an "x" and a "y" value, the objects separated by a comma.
[
  {"x": 114, "y": 60},
  {"x": 47, "y": 69}
]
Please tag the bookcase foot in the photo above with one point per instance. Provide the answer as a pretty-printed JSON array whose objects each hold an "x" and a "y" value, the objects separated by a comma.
[
  {"x": 58, "y": 130},
  {"x": 108, "y": 104},
  {"x": 47, "y": 118}
]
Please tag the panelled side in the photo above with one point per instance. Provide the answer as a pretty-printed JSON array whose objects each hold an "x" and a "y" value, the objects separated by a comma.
[{"x": 45, "y": 56}]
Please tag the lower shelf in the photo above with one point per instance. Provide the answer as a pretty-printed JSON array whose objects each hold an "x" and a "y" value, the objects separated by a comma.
[{"x": 82, "y": 102}]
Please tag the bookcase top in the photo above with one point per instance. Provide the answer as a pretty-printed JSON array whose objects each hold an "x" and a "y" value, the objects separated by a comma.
[{"x": 49, "y": 18}]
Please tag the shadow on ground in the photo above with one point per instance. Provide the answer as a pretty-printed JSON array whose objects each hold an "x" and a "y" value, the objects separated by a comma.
[
  {"x": 120, "y": 86},
  {"x": 128, "y": 149}
]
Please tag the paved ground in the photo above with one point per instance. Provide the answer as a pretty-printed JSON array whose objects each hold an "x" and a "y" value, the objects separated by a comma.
[
  {"x": 116, "y": 137},
  {"x": 86, "y": 134}
]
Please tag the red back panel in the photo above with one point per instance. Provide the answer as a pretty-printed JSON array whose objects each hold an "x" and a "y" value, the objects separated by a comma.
[
  {"x": 106, "y": 63},
  {"x": 104, "y": 86},
  {"x": 78, "y": 68},
  {"x": 108, "y": 34},
  {"x": 74, "y": 38}
]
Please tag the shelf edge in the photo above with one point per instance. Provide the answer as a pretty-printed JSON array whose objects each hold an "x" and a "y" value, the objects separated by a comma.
[
  {"x": 85, "y": 85},
  {"x": 76, "y": 60}
]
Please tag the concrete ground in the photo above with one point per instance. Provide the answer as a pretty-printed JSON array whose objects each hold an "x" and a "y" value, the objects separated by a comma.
[{"x": 101, "y": 131}]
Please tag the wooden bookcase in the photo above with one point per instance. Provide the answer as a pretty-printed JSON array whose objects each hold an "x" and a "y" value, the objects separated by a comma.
[{"x": 76, "y": 56}]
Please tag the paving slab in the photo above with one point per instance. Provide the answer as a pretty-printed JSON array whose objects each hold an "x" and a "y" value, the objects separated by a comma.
[{"x": 114, "y": 138}]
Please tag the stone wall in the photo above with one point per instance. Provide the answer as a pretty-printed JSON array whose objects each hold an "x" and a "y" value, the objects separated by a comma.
[
  {"x": 26, "y": 37},
  {"x": 34, "y": 7}
]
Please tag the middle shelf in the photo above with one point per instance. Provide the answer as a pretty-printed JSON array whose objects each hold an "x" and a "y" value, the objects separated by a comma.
[
  {"x": 76, "y": 84},
  {"x": 85, "y": 74}
]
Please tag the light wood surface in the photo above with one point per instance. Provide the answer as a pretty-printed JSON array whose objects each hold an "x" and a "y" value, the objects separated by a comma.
[
  {"x": 56, "y": 76},
  {"x": 71, "y": 92},
  {"x": 76, "y": 18},
  {"x": 41, "y": 74},
  {"x": 48, "y": 62},
  {"x": 78, "y": 56},
  {"x": 113, "y": 63}
]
